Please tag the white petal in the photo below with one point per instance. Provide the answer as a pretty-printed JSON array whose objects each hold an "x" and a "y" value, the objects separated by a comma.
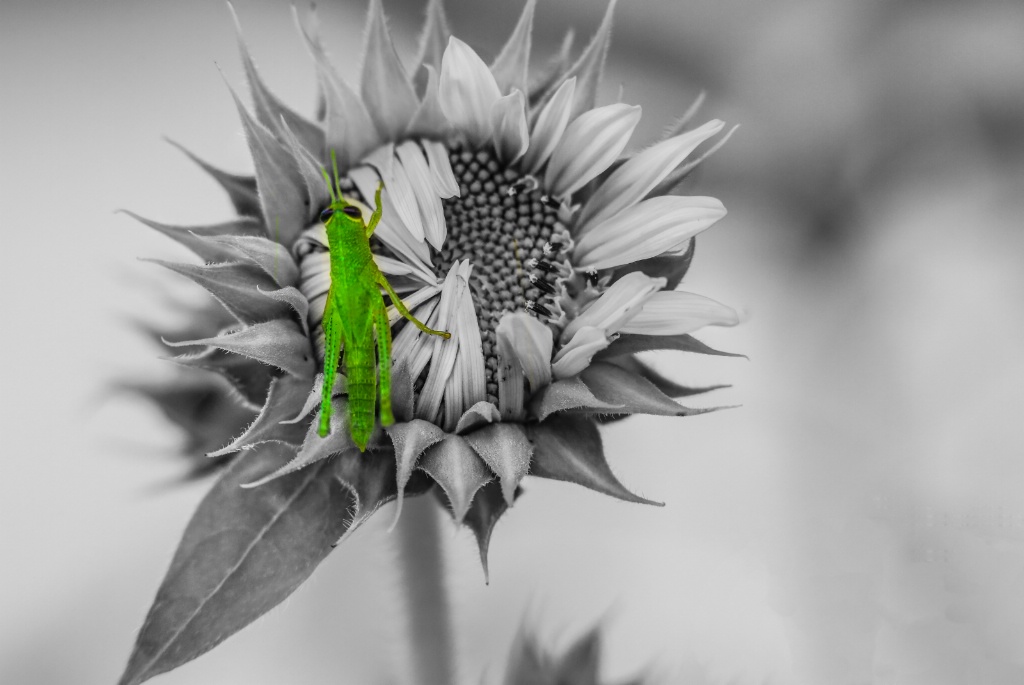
[
  {"x": 677, "y": 312},
  {"x": 411, "y": 345},
  {"x": 530, "y": 343},
  {"x": 468, "y": 91},
  {"x": 441, "y": 169},
  {"x": 617, "y": 305},
  {"x": 467, "y": 385},
  {"x": 576, "y": 356},
  {"x": 412, "y": 302},
  {"x": 646, "y": 230},
  {"x": 590, "y": 144},
  {"x": 396, "y": 267},
  {"x": 442, "y": 352},
  {"x": 633, "y": 180},
  {"x": 511, "y": 137},
  {"x": 397, "y": 187},
  {"x": 431, "y": 212},
  {"x": 391, "y": 229},
  {"x": 549, "y": 127}
]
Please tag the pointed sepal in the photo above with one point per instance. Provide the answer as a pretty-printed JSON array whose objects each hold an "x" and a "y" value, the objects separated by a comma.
[
  {"x": 631, "y": 343},
  {"x": 568, "y": 448},
  {"x": 637, "y": 395},
  {"x": 286, "y": 395},
  {"x": 278, "y": 343},
  {"x": 458, "y": 470},
  {"x": 505, "y": 448},
  {"x": 241, "y": 189},
  {"x": 487, "y": 507},
  {"x": 589, "y": 68},
  {"x": 510, "y": 67},
  {"x": 410, "y": 439},
  {"x": 194, "y": 237},
  {"x": 567, "y": 394},
  {"x": 269, "y": 255},
  {"x": 233, "y": 285},
  {"x": 386, "y": 89}
]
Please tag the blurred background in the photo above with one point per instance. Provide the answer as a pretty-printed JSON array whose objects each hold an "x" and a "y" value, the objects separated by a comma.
[{"x": 858, "y": 520}]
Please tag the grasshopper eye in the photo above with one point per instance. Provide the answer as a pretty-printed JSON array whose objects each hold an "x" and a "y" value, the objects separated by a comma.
[
  {"x": 326, "y": 215},
  {"x": 353, "y": 212}
]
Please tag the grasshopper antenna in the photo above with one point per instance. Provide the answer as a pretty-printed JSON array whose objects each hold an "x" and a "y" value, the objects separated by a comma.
[{"x": 337, "y": 181}]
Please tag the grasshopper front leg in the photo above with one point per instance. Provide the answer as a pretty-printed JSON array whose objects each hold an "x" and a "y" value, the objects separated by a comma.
[{"x": 378, "y": 211}]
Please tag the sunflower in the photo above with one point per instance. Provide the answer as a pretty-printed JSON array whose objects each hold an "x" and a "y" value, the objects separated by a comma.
[{"x": 512, "y": 217}]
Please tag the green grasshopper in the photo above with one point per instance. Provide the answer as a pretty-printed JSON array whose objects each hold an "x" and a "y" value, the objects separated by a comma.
[{"x": 355, "y": 307}]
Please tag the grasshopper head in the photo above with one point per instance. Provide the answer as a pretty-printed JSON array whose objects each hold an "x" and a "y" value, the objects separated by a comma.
[{"x": 342, "y": 216}]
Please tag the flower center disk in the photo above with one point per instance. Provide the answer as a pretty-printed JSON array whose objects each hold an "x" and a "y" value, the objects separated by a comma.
[{"x": 514, "y": 240}]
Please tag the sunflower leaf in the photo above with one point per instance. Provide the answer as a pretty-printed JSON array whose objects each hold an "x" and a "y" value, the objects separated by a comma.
[
  {"x": 506, "y": 450},
  {"x": 568, "y": 448},
  {"x": 277, "y": 343},
  {"x": 233, "y": 285},
  {"x": 636, "y": 394},
  {"x": 630, "y": 343},
  {"x": 570, "y": 393},
  {"x": 243, "y": 552},
  {"x": 458, "y": 470},
  {"x": 487, "y": 507},
  {"x": 241, "y": 190}
]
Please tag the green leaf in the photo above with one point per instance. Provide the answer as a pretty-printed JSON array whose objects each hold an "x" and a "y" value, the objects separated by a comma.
[
  {"x": 635, "y": 394},
  {"x": 240, "y": 189},
  {"x": 457, "y": 469},
  {"x": 234, "y": 286},
  {"x": 631, "y": 343},
  {"x": 286, "y": 396},
  {"x": 568, "y": 448},
  {"x": 487, "y": 507},
  {"x": 506, "y": 450},
  {"x": 278, "y": 343},
  {"x": 570, "y": 393},
  {"x": 243, "y": 552}
]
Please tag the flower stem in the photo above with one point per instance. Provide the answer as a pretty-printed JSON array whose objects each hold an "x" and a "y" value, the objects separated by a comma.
[{"x": 426, "y": 597}]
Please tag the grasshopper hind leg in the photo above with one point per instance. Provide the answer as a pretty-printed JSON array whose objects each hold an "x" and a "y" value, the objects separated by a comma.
[{"x": 384, "y": 362}]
